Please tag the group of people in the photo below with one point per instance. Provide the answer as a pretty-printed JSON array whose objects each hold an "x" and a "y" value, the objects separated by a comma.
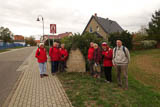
[
  {"x": 58, "y": 55},
  {"x": 118, "y": 57}
]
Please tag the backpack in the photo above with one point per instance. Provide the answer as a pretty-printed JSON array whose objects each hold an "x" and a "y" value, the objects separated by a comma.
[
  {"x": 39, "y": 50},
  {"x": 123, "y": 51}
]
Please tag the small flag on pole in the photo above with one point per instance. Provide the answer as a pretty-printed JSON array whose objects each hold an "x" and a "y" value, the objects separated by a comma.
[{"x": 52, "y": 28}]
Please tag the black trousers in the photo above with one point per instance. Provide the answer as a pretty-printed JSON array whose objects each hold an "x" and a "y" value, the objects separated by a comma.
[
  {"x": 54, "y": 66},
  {"x": 108, "y": 73},
  {"x": 61, "y": 66}
]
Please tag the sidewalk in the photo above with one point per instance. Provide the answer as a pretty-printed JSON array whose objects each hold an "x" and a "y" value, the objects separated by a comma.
[{"x": 33, "y": 91}]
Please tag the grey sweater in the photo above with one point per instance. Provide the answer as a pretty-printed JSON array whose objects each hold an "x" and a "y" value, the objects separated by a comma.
[{"x": 119, "y": 58}]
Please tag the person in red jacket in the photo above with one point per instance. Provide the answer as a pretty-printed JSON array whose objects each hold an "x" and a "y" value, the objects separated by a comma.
[
  {"x": 63, "y": 57},
  {"x": 107, "y": 54},
  {"x": 90, "y": 57},
  {"x": 41, "y": 56},
  {"x": 54, "y": 55}
]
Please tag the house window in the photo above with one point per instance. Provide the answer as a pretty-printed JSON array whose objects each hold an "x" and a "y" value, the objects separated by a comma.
[
  {"x": 97, "y": 28},
  {"x": 90, "y": 29}
]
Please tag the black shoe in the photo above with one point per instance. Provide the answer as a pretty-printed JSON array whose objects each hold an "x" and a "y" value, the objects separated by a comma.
[{"x": 45, "y": 74}]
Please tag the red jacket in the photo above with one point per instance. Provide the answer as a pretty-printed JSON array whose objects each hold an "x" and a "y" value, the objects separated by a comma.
[
  {"x": 41, "y": 55},
  {"x": 90, "y": 53},
  {"x": 54, "y": 54},
  {"x": 107, "y": 61},
  {"x": 63, "y": 54}
]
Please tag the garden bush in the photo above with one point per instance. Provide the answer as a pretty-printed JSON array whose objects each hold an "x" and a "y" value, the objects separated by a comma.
[
  {"x": 82, "y": 42},
  {"x": 147, "y": 44}
]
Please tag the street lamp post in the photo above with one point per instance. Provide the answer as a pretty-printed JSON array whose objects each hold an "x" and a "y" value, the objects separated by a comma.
[{"x": 38, "y": 19}]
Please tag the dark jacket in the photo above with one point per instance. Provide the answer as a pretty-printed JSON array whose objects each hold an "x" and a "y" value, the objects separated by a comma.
[{"x": 97, "y": 55}]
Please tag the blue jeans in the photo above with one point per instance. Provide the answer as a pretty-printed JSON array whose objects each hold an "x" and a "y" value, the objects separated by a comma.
[
  {"x": 42, "y": 68},
  {"x": 54, "y": 66}
]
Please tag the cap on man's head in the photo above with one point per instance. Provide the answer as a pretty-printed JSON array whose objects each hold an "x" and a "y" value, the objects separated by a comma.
[
  {"x": 41, "y": 44},
  {"x": 104, "y": 44}
]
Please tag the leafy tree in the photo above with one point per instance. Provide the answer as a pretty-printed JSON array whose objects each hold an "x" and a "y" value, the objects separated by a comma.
[
  {"x": 30, "y": 40},
  {"x": 81, "y": 41},
  {"x": 6, "y": 35},
  {"x": 124, "y": 36},
  {"x": 154, "y": 27}
]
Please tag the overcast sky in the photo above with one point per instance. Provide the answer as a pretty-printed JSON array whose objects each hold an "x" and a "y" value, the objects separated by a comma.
[{"x": 73, "y": 15}]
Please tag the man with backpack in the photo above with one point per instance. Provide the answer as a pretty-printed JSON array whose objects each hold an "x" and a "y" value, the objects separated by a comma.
[{"x": 121, "y": 59}]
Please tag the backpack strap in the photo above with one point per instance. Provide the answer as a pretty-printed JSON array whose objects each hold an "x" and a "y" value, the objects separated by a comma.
[
  {"x": 38, "y": 50},
  {"x": 115, "y": 49},
  {"x": 124, "y": 50},
  {"x": 52, "y": 50}
]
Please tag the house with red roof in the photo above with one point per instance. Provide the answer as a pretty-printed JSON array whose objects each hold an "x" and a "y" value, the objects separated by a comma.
[{"x": 57, "y": 37}]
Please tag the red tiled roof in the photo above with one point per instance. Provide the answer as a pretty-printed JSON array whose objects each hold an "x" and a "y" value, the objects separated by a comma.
[
  {"x": 59, "y": 36},
  {"x": 37, "y": 41},
  {"x": 18, "y": 37}
]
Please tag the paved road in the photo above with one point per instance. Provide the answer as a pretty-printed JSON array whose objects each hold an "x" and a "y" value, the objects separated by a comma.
[{"x": 9, "y": 62}]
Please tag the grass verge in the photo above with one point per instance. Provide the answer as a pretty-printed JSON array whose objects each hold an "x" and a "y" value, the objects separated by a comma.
[
  {"x": 85, "y": 91},
  {"x": 8, "y": 49}
]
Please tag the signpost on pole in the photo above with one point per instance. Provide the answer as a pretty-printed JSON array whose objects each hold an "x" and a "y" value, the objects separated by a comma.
[{"x": 53, "y": 29}]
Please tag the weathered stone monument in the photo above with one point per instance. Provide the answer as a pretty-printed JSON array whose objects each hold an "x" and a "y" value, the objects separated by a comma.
[{"x": 76, "y": 61}]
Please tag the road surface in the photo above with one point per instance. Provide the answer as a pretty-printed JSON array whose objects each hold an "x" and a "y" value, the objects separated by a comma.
[{"x": 9, "y": 63}]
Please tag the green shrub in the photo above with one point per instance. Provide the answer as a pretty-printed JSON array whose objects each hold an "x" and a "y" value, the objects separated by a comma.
[
  {"x": 139, "y": 37},
  {"x": 82, "y": 42},
  {"x": 147, "y": 44}
]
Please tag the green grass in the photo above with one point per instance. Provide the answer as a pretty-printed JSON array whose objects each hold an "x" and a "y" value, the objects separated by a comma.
[
  {"x": 17, "y": 47},
  {"x": 3, "y": 50},
  {"x": 85, "y": 91},
  {"x": 8, "y": 49}
]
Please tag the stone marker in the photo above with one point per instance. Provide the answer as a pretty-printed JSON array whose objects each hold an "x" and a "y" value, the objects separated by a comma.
[{"x": 76, "y": 61}]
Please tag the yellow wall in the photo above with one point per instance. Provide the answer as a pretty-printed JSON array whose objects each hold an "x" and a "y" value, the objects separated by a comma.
[{"x": 94, "y": 25}]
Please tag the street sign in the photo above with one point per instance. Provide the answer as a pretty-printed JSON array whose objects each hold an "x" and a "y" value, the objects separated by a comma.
[{"x": 52, "y": 28}]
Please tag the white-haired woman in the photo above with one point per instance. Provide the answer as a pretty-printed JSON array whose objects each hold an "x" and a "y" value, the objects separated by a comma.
[
  {"x": 97, "y": 59},
  {"x": 41, "y": 56}
]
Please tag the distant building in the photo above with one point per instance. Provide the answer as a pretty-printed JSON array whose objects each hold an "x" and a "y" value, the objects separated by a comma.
[
  {"x": 18, "y": 38},
  {"x": 102, "y": 27},
  {"x": 59, "y": 36},
  {"x": 37, "y": 41}
]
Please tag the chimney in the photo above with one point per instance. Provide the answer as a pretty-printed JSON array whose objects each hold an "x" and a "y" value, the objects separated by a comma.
[{"x": 95, "y": 14}]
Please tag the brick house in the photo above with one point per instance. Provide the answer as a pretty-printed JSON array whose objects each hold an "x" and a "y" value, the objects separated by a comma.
[
  {"x": 102, "y": 27},
  {"x": 18, "y": 38}
]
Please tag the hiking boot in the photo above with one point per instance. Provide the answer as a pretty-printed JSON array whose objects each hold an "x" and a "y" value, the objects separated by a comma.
[{"x": 45, "y": 74}]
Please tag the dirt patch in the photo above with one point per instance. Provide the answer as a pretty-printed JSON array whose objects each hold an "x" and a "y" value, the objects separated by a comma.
[
  {"x": 150, "y": 70},
  {"x": 148, "y": 64}
]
